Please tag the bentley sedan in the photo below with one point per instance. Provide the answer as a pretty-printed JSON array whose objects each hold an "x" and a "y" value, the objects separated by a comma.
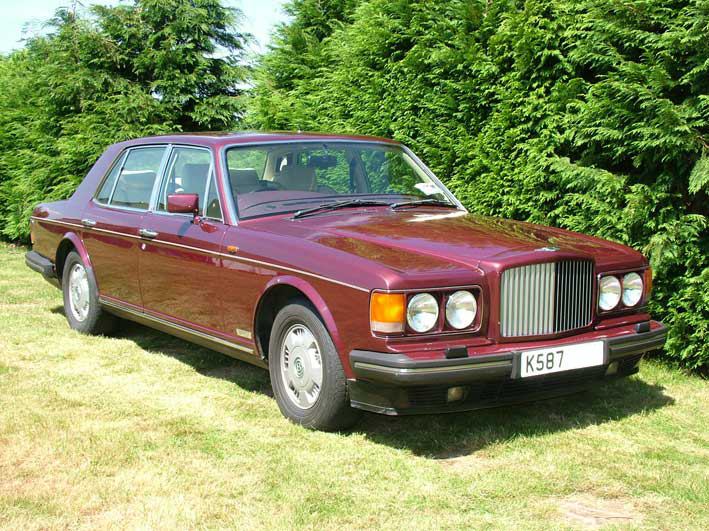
[{"x": 347, "y": 269}]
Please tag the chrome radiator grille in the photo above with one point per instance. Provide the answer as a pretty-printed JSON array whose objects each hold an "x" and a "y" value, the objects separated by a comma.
[{"x": 541, "y": 299}]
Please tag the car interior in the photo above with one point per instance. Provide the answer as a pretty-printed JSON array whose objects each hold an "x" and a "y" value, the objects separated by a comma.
[
  {"x": 190, "y": 178},
  {"x": 134, "y": 188},
  {"x": 297, "y": 170}
]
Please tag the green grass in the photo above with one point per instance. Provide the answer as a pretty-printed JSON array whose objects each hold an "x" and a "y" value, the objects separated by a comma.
[{"x": 146, "y": 431}]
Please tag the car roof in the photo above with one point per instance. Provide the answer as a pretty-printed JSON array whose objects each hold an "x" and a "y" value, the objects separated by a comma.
[{"x": 217, "y": 139}]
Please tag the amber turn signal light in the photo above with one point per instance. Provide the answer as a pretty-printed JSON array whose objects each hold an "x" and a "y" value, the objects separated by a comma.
[{"x": 387, "y": 312}]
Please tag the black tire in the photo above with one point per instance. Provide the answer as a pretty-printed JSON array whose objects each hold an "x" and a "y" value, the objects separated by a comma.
[
  {"x": 331, "y": 410},
  {"x": 96, "y": 321}
]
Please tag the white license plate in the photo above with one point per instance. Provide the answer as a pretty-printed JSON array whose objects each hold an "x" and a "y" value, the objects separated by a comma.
[{"x": 556, "y": 359}]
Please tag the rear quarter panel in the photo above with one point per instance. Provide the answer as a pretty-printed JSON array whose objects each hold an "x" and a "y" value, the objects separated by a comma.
[{"x": 52, "y": 221}]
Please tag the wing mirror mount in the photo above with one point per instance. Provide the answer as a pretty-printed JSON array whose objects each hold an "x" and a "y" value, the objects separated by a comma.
[{"x": 184, "y": 204}]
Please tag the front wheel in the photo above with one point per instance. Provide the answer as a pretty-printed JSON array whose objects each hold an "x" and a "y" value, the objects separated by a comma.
[
  {"x": 81, "y": 304},
  {"x": 306, "y": 374}
]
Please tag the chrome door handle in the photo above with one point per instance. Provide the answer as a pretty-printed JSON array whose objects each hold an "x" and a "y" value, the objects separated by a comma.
[
  {"x": 88, "y": 222},
  {"x": 145, "y": 233}
]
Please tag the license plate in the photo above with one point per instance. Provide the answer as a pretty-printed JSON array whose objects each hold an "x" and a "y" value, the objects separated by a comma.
[{"x": 557, "y": 359}]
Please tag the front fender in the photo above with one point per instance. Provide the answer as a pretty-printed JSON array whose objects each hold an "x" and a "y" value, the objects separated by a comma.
[{"x": 312, "y": 294}]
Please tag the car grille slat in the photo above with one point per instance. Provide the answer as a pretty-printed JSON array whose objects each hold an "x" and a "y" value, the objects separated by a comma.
[{"x": 543, "y": 299}]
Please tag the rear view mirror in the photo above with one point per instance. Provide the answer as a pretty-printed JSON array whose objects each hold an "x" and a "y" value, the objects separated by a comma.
[
  {"x": 183, "y": 204},
  {"x": 322, "y": 161}
]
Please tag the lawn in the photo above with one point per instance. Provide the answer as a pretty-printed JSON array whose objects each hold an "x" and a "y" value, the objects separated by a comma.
[{"x": 143, "y": 430}]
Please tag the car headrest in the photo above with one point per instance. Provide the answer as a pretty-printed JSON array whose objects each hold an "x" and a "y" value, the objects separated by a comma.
[
  {"x": 243, "y": 177},
  {"x": 137, "y": 179},
  {"x": 195, "y": 170},
  {"x": 134, "y": 188},
  {"x": 296, "y": 177},
  {"x": 194, "y": 178}
]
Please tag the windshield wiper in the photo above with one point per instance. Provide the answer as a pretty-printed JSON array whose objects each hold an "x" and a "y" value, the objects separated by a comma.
[
  {"x": 338, "y": 204},
  {"x": 435, "y": 202}
]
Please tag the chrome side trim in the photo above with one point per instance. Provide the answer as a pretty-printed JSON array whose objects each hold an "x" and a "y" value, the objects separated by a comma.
[
  {"x": 292, "y": 270},
  {"x": 86, "y": 228},
  {"x": 64, "y": 223},
  {"x": 260, "y": 262},
  {"x": 116, "y": 233},
  {"x": 176, "y": 326},
  {"x": 214, "y": 253}
]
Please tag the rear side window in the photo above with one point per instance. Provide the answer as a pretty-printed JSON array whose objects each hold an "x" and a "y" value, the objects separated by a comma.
[
  {"x": 105, "y": 193},
  {"x": 134, "y": 184}
]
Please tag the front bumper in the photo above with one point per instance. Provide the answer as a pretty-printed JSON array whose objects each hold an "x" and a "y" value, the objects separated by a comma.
[{"x": 396, "y": 384}]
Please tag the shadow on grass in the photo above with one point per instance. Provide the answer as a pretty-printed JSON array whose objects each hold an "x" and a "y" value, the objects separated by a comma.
[
  {"x": 435, "y": 436},
  {"x": 458, "y": 434},
  {"x": 205, "y": 361}
]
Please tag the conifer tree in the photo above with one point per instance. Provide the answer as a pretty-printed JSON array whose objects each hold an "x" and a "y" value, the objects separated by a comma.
[
  {"x": 589, "y": 115},
  {"x": 114, "y": 73}
]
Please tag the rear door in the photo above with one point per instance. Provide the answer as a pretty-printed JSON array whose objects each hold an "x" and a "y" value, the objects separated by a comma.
[
  {"x": 113, "y": 219},
  {"x": 179, "y": 263}
]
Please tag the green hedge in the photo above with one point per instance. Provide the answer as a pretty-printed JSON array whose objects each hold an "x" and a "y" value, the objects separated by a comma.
[
  {"x": 592, "y": 115},
  {"x": 104, "y": 76}
]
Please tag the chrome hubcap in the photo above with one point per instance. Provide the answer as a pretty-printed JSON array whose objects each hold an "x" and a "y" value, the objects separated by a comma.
[
  {"x": 79, "y": 292},
  {"x": 301, "y": 366}
]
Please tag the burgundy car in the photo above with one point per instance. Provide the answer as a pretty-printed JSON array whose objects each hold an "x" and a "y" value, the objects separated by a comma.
[{"x": 344, "y": 266}]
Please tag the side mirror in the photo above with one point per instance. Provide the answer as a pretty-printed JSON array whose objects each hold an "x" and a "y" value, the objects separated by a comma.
[{"x": 183, "y": 204}]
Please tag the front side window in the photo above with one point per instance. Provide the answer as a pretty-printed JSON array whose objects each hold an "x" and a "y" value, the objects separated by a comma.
[
  {"x": 213, "y": 208},
  {"x": 134, "y": 178},
  {"x": 188, "y": 172},
  {"x": 282, "y": 178}
]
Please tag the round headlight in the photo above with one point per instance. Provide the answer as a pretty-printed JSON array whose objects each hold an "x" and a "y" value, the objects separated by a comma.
[
  {"x": 609, "y": 293},
  {"x": 461, "y": 309},
  {"x": 632, "y": 289},
  {"x": 422, "y": 312}
]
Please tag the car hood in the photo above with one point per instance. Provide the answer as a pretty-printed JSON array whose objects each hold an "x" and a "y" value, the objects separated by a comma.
[{"x": 435, "y": 239}]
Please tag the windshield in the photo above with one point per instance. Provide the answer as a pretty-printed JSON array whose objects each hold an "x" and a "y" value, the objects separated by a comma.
[{"x": 281, "y": 178}]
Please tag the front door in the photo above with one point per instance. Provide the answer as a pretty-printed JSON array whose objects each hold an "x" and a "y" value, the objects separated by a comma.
[
  {"x": 179, "y": 262},
  {"x": 113, "y": 219}
]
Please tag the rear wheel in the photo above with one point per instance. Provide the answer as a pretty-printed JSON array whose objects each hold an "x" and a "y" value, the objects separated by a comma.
[
  {"x": 306, "y": 374},
  {"x": 81, "y": 305}
]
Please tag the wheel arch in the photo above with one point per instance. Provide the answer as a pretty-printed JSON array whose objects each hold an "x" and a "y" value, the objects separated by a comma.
[
  {"x": 70, "y": 242},
  {"x": 277, "y": 293}
]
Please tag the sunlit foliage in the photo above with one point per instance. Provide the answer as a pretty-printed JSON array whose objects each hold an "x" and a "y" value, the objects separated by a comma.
[
  {"x": 110, "y": 74},
  {"x": 589, "y": 115}
]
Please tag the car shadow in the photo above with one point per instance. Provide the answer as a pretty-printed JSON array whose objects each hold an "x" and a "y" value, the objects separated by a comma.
[
  {"x": 204, "y": 361},
  {"x": 434, "y": 436},
  {"x": 459, "y": 434}
]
